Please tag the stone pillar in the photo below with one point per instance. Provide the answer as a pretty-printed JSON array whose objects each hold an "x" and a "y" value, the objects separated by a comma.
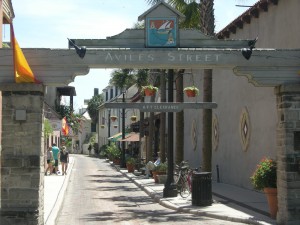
[
  {"x": 22, "y": 156},
  {"x": 288, "y": 154}
]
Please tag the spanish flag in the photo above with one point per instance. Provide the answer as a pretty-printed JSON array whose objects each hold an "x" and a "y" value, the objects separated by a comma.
[
  {"x": 22, "y": 71},
  {"x": 65, "y": 127}
]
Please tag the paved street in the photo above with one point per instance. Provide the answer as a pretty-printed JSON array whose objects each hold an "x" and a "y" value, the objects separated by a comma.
[{"x": 98, "y": 194}]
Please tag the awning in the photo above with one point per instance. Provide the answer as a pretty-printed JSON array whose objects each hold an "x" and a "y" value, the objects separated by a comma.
[
  {"x": 131, "y": 137},
  {"x": 115, "y": 137}
]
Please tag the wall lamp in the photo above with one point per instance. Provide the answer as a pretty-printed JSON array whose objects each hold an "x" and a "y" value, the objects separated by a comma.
[
  {"x": 247, "y": 52},
  {"x": 79, "y": 50}
]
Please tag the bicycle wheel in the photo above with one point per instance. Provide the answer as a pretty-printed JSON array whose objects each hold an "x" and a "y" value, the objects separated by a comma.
[
  {"x": 184, "y": 189},
  {"x": 176, "y": 177}
]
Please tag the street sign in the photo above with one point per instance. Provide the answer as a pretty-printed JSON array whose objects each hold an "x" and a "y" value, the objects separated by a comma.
[{"x": 162, "y": 106}]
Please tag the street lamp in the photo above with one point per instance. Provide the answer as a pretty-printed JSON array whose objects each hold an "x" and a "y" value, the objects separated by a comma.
[
  {"x": 108, "y": 125},
  {"x": 123, "y": 162},
  {"x": 170, "y": 189}
]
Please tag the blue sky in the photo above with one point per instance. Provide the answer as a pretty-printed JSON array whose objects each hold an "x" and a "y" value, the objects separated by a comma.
[{"x": 48, "y": 24}]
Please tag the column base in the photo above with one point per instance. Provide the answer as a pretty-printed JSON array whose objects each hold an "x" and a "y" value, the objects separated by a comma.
[{"x": 170, "y": 191}]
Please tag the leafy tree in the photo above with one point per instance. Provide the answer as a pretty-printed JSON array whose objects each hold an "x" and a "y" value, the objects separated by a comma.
[
  {"x": 93, "y": 106},
  {"x": 48, "y": 130}
]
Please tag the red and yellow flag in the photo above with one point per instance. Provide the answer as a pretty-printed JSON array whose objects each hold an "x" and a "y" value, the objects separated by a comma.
[
  {"x": 22, "y": 71},
  {"x": 65, "y": 127}
]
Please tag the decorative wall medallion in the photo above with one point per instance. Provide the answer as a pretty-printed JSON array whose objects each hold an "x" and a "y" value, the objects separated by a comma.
[
  {"x": 194, "y": 134},
  {"x": 245, "y": 129},
  {"x": 215, "y": 132}
]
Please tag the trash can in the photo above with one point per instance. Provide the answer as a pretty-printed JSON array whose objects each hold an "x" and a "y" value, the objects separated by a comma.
[{"x": 201, "y": 189}]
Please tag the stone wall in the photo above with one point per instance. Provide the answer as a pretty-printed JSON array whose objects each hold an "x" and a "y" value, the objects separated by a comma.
[
  {"x": 22, "y": 158},
  {"x": 288, "y": 154}
]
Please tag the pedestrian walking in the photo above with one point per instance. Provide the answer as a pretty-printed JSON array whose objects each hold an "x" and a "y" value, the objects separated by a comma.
[
  {"x": 55, "y": 151},
  {"x": 64, "y": 159},
  {"x": 50, "y": 161}
]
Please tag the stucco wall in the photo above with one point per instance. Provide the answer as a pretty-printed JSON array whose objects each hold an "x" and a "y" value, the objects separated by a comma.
[{"x": 276, "y": 28}]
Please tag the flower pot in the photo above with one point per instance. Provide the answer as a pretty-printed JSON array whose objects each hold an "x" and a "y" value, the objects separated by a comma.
[
  {"x": 133, "y": 118},
  {"x": 149, "y": 92},
  {"x": 155, "y": 175},
  {"x": 130, "y": 168},
  {"x": 116, "y": 161},
  {"x": 115, "y": 126},
  {"x": 102, "y": 126},
  {"x": 162, "y": 179},
  {"x": 190, "y": 93},
  {"x": 271, "y": 194}
]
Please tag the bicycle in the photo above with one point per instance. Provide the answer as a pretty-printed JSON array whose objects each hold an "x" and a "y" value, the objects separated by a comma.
[{"x": 183, "y": 178}]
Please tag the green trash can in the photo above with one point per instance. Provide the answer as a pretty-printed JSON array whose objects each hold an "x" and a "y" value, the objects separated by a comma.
[{"x": 201, "y": 189}]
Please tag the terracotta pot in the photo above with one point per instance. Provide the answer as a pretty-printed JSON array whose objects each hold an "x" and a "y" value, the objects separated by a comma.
[
  {"x": 116, "y": 161},
  {"x": 149, "y": 92},
  {"x": 130, "y": 168},
  {"x": 155, "y": 173},
  {"x": 190, "y": 93},
  {"x": 113, "y": 118},
  {"x": 271, "y": 194},
  {"x": 162, "y": 179}
]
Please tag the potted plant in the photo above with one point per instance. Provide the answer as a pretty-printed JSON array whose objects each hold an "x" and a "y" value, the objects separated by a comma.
[
  {"x": 191, "y": 91},
  {"x": 102, "y": 126},
  {"x": 149, "y": 90},
  {"x": 114, "y": 153},
  {"x": 265, "y": 178},
  {"x": 115, "y": 126},
  {"x": 130, "y": 164},
  {"x": 113, "y": 118},
  {"x": 160, "y": 169}
]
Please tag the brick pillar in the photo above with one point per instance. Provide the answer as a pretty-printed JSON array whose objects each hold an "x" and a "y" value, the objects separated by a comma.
[
  {"x": 22, "y": 158},
  {"x": 288, "y": 154}
]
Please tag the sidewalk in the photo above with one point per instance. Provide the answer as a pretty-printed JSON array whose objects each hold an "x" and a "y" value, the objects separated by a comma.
[
  {"x": 229, "y": 202},
  {"x": 54, "y": 190}
]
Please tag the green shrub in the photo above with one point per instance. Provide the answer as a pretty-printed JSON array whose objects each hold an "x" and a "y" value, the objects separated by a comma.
[
  {"x": 113, "y": 151},
  {"x": 131, "y": 161},
  {"x": 162, "y": 167}
]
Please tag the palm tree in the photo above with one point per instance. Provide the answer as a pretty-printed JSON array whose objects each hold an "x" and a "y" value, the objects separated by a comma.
[
  {"x": 207, "y": 26},
  {"x": 162, "y": 131},
  {"x": 190, "y": 8}
]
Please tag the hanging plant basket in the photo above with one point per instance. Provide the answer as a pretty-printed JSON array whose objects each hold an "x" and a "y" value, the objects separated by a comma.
[
  {"x": 113, "y": 118},
  {"x": 115, "y": 126},
  {"x": 191, "y": 91},
  {"x": 133, "y": 118},
  {"x": 102, "y": 126},
  {"x": 149, "y": 90}
]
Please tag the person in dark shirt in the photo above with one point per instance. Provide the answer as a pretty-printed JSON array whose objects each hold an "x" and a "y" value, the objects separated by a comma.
[{"x": 64, "y": 159}]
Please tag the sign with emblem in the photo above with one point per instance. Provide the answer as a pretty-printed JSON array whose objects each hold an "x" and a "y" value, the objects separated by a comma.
[{"x": 162, "y": 32}]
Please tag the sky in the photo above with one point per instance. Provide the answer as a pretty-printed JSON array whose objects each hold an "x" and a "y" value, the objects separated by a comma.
[{"x": 48, "y": 24}]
